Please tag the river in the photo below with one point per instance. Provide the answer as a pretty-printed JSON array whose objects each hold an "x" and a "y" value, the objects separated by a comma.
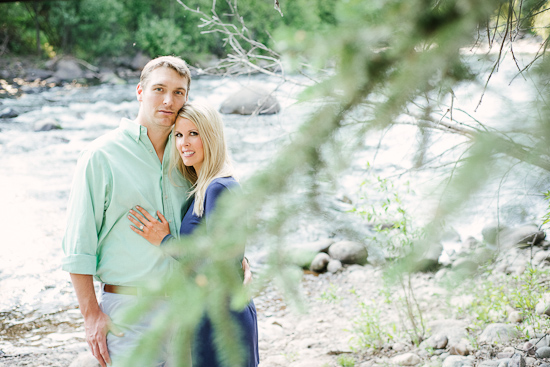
[{"x": 38, "y": 308}]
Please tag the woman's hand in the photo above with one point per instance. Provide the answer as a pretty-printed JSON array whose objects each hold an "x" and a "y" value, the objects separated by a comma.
[
  {"x": 247, "y": 272},
  {"x": 148, "y": 227}
]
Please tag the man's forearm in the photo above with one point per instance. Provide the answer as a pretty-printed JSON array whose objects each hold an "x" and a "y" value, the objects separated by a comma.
[{"x": 85, "y": 293}]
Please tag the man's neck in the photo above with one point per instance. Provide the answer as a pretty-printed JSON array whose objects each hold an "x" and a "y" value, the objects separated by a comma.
[{"x": 159, "y": 137}]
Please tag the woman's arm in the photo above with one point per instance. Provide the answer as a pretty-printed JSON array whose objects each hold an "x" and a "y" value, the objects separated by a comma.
[{"x": 148, "y": 227}]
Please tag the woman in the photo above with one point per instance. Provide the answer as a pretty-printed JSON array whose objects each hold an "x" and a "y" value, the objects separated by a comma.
[{"x": 201, "y": 156}]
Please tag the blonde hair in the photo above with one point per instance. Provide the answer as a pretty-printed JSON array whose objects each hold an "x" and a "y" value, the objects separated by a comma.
[
  {"x": 217, "y": 162},
  {"x": 172, "y": 62}
]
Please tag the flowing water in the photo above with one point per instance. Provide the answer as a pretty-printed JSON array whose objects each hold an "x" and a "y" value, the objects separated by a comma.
[{"x": 38, "y": 308}]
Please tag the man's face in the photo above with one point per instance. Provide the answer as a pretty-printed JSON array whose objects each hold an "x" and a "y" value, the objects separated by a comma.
[{"x": 163, "y": 95}]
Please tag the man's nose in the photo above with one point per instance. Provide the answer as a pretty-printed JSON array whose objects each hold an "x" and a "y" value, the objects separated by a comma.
[{"x": 168, "y": 99}]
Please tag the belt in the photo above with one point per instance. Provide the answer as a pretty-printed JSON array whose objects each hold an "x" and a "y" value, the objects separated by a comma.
[{"x": 120, "y": 289}]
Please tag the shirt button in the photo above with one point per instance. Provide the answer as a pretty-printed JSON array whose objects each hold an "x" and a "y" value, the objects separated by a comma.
[
  {"x": 170, "y": 221},
  {"x": 166, "y": 196},
  {"x": 150, "y": 151}
]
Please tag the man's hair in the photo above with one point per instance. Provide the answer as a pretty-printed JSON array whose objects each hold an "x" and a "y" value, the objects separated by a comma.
[
  {"x": 173, "y": 62},
  {"x": 216, "y": 158}
]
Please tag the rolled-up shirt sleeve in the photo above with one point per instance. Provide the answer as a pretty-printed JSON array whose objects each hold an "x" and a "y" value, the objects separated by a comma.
[{"x": 85, "y": 213}]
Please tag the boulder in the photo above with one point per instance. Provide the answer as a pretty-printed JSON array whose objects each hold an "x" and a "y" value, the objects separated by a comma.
[
  {"x": 334, "y": 266},
  {"x": 8, "y": 113},
  {"x": 110, "y": 77},
  {"x": 348, "y": 252},
  {"x": 498, "y": 333},
  {"x": 139, "y": 61},
  {"x": 33, "y": 74},
  {"x": 68, "y": 70},
  {"x": 316, "y": 246},
  {"x": 490, "y": 232},
  {"x": 85, "y": 359},
  {"x": 319, "y": 263},
  {"x": 521, "y": 236},
  {"x": 250, "y": 100},
  {"x": 406, "y": 359},
  {"x": 543, "y": 306},
  {"x": 430, "y": 259}
]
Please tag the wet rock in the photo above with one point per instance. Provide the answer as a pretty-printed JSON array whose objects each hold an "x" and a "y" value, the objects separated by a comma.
[
  {"x": 111, "y": 78},
  {"x": 319, "y": 263},
  {"x": 68, "y": 70},
  {"x": 8, "y": 113},
  {"x": 28, "y": 89},
  {"x": 47, "y": 125},
  {"x": 334, "y": 266},
  {"x": 33, "y": 74},
  {"x": 139, "y": 61},
  {"x": 348, "y": 252},
  {"x": 517, "y": 361},
  {"x": 459, "y": 349},
  {"x": 406, "y": 359},
  {"x": 85, "y": 359},
  {"x": 251, "y": 100},
  {"x": 498, "y": 333},
  {"x": 543, "y": 352}
]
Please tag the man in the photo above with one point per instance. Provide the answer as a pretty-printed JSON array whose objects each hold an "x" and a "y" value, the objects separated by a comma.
[{"x": 116, "y": 172}]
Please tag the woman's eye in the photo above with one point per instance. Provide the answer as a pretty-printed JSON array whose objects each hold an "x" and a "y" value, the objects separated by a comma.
[
  {"x": 177, "y": 135},
  {"x": 194, "y": 133}
]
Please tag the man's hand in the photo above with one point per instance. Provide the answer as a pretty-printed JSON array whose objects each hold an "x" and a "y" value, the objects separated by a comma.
[
  {"x": 97, "y": 326},
  {"x": 96, "y": 323},
  {"x": 247, "y": 272}
]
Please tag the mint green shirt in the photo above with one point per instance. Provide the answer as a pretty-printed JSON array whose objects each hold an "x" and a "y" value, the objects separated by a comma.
[{"x": 115, "y": 173}]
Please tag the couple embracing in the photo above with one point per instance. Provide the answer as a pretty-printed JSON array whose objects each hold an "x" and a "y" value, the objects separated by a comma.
[{"x": 128, "y": 200}]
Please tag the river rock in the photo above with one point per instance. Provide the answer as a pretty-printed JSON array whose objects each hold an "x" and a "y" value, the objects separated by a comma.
[
  {"x": 515, "y": 317},
  {"x": 334, "y": 266},
  {"x": 543, "y": 306},
  {"x": 498, "y": 333},
  {"x": 523, "y": 235},
  {"x": 529, "y": 348},
  {"x": 85, "y": 359},
  {"x": 47, "y": 125},
  {"x": 319, "y": 263},
  {"x": 436, "y": 341},
  {"x": 8, "y": 113},
  {"x": 517, "y": 361},
  {"x": 139, "y": 61},
  {"x": 110, "y": 77},
  {"x": 543, "y": 352},
  {"x": 406, "y": 359},
  {"x": 33, "y": 74},
  {"x": 68, "y": 70},
  {"x": 454, "y": 330},
  {"x": 398, "y": 347},
  {"x": 316, "y": 246},
  {"x": 488, "y": 364},
  {"x": 490, "y": 231},
  {"x": 541, "y": 257},
  {"x": 456, "y": 361},
  {"x": 459, "y": 349},
  {"x": 430, "y": 260},
  {"x": 348, "y": 252},
  {"x": 250, "y": 100},
  {"x": 465, "y": 264},
  {"x": 545, "y": 365}
]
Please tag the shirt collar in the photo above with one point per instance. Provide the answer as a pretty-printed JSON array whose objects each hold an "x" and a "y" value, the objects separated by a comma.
[{"x": 132, "y": 128}]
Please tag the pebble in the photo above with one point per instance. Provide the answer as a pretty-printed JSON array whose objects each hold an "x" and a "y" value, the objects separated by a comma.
[
  {"x": 459, "y": 349},
  {"x": 407, "y": 359},
  {"x": 334, "y": 266}
]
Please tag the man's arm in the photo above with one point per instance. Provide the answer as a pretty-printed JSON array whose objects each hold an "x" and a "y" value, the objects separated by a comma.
[{"x": 96, "y": 323}]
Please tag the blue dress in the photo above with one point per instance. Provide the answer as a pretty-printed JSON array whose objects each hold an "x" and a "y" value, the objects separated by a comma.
[{"x": 204, "y": 350}]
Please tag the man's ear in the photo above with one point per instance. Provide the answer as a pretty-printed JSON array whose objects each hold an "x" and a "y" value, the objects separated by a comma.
[{"x": 139, "y": 92}]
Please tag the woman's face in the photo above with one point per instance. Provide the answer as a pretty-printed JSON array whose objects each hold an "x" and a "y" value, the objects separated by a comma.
[{"x": 189, "y": 143}]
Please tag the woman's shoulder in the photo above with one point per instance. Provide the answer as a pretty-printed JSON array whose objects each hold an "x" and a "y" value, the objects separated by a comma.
[{"x": 223, "y": 183}]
